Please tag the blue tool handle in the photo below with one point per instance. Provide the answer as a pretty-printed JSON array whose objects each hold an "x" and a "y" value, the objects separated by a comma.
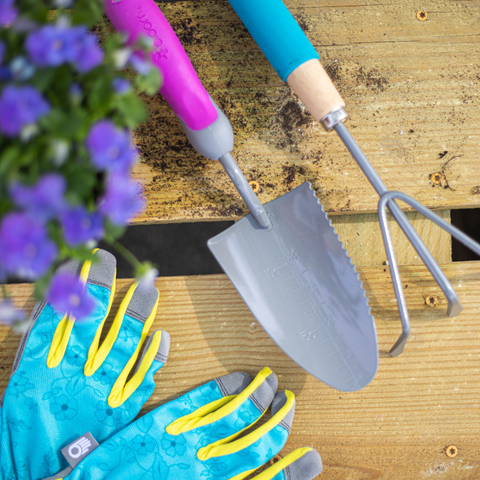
[
  {"x": 277, "y": 34},
  {"x": 293, "y": 57}
]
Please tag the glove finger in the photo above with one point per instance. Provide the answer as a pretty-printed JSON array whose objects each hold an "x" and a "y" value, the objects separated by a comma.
[
  {"x": 215, "y": 392},
  {"x": 257, "y": 447},
  {"x": 219, "y": 422},
  {"x": 302, "y": 464},
  {"x": 141, "y": 385},
  {"x": 100, "y": 285},
  {"x": 121, "y": 347},
  {"x": 53, "y": 330},
  {"x": 127, "y": 440}
]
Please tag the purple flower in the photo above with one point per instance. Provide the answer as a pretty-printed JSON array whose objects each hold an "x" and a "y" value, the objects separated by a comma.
[
  {"x": 122, "y": 200},
  {"x": 25, "y": 249},
  {"x": 67, "y": 294},
  {"x": 7, "y": 11},
  {"x": 138, "y": 62},
  {"x": 89, "y": 54},
  {"x": 52, "y": 45},
  {"x": 44, "y": 200},
  {"x": 80, "y": 226},
  {"x": 20, "y": 106},
  {"x": 9, "y": 313},
  {"x": 110, "y": 148},
  {"x": 121, "y": 85}
]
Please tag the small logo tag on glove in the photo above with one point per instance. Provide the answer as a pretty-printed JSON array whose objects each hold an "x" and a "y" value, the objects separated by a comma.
[{"x": 76, "y": 451}]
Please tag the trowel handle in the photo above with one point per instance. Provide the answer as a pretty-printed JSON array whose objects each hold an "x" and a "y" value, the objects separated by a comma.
[
  {"x": 291, "y": 54},
  {"x": 181, "y": 87}
]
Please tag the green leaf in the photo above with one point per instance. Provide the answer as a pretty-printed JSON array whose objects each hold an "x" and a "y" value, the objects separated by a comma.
[
  {"x": 132, "y": 110},
  {"x": 69, "y": 125},
  {"x": 81, "y": 182},
  {"x": 149, "y": 83},
  {"x": 100, "y": 94},
  {"x": 43, "y": 78},
  {"x": 111, "y": 44},
  {"x": 41, "y": 287},
  {"x": 87, "y": 12},
  {"x": 29, "y": 155},
  {"x": 112, "y": 231},
  {"x": 33, "y": 9},
  {"x": 82, "y": 253},
  {"x": 8, "y": 157},
  {"x": 5, "y": 207}
]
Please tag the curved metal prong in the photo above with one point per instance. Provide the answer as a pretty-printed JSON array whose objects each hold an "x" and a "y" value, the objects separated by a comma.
[
  {"x": 417, "y": 243},
  {"x": 454, "y": 305},
  {"x": 387, "y": 198},
  {"x": 397, "y": 349},
  {"x": 454, "y": 308}
]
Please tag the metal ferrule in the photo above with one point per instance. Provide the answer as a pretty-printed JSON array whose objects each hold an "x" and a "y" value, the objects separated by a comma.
[{"x": 334, "y": 118}]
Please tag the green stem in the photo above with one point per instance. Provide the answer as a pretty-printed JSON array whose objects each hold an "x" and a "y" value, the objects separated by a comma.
[
  {"x": 127, "y": 254},
  {"x": 4, "y": 291}
]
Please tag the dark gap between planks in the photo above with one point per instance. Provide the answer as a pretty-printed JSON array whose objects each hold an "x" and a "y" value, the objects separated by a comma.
[
  {"x": 467, "y": 220},
  {"x": 178, "y": 249},
  {"x": 174, "y": 248}
]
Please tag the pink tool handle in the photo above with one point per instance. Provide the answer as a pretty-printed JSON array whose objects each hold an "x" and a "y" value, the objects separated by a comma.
[{"x": 181, "y": 87}]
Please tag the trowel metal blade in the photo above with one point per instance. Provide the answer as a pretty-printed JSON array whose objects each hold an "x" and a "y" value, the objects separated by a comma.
[{"x": 302, "y": 287}]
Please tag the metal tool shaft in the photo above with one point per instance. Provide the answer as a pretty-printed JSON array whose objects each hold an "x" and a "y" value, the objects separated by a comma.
[
  {"x": 245, "y": 190},
  {"x": 425, "y": 254}
]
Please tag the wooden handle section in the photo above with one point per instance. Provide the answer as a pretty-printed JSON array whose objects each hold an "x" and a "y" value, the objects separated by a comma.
[{"x": 312, "y": 84}]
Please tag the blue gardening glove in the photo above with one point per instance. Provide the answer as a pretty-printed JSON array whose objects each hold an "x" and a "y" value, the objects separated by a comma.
[
  {"x": 64, "y": 384},
  {"x": 196, "y": 437}
]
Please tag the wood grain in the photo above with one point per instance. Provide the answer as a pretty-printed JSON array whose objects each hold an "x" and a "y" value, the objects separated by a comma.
[
  {"x": 398, "y": 427},
  {"x": 362, "y": 238},
  {"x": 411, "y": 87}
]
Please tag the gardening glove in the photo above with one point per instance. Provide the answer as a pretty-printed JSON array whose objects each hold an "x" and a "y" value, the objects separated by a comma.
[
  {"x": 197, "y": 436},
  {"x": 64, "y": 384}
]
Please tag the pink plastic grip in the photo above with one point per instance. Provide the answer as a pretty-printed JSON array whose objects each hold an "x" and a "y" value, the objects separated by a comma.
[{"x": 181, "y": 87}]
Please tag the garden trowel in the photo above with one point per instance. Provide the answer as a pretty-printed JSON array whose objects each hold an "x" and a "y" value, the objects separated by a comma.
[{"x": 284, "y": 258}]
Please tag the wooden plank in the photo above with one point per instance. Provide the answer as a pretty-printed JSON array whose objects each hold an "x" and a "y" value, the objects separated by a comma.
[
  {"x": 362, "y": 238},
  {"x": 398, "y": 427},
  {"x": 411, "y": 88}
]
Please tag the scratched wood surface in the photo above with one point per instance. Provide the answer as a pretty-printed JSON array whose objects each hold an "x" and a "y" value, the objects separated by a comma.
[
  {"x": 398, "y": 427},
  {"x": 411, "y": 87}
]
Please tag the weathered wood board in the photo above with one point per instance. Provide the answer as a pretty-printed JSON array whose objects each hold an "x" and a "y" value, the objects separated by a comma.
[
  {"x": 362, "y": 238},
  {"x": 398, "y": 427},
  {"x": 411, "y": 87}
]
